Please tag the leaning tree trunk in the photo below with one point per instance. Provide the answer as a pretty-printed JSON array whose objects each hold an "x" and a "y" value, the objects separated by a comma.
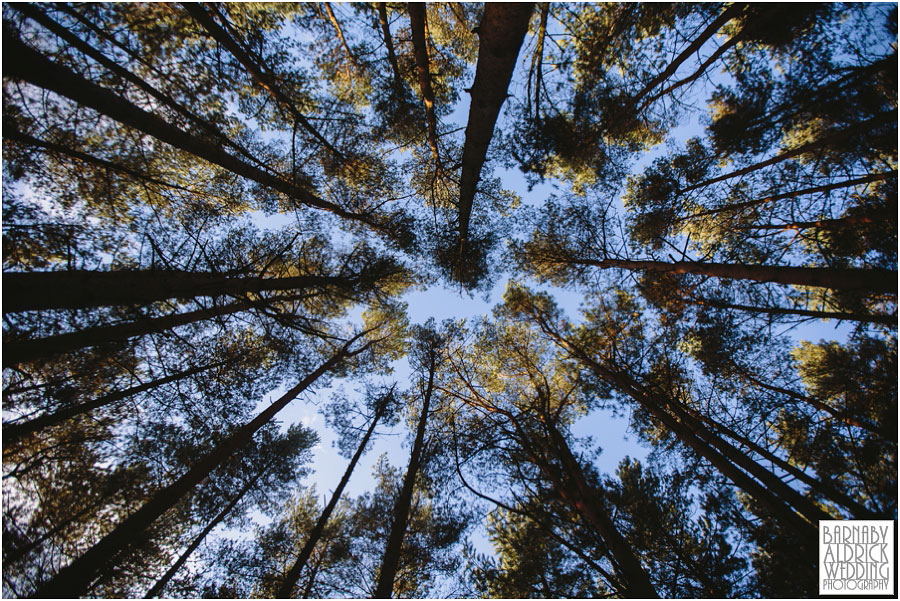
[
  {"x": 587, "y": 501},
  {"x": 15, "y": 431},
  {"x": 729, "y": 13},
  {"x": 15, "y": 352},
  {"x": 869, "y": 280},
  {"x": 419, "y": 28},
  {"x": 32, "y": 67},
  {"x": 501, "y": 33},
  {"x": 867, "y": 179},
  {"x": 290, "y": 579},
  {"x": 890, "y": 320},
  {"x": 83, "y": 289},
  {"x": 157, "y": 588},
  {"x": 390, "y": 561},
  {"x": 75, "y": 579},
  {"x": 262, "y": 78}
]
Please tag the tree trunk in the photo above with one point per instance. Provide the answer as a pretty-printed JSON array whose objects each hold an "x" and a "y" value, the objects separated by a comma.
[
  {"x": 16, "y": 352},
  {"x": 82, "y": 289},
  {"x": 863, "y": 317},
  {"x": 389, "y": 45},
  {"x": 157, "y": 588},
  {"x": 874, "y": 177},
  {"x": 703, "y": 443},
  {"x": 802, "y": 149},
  {"x": 728, "y": 14},
  {"x": 501, "y": 33},
  {"x": 867, "y": 280},
  {"x": 829, "y": 492},
  {"x": 265, "y": 81},
  {"x": 419, "y": 27},
  {"x": 15, "y": 431},
  {"x": 290, "y": 579},
  {"x": 75, "y": 579},
  {"x": 638, "y": 584},
  {"x": 35, "y": 13},
  {"x": 390, "y": 561},
  {"x": 32, "y": 67}
]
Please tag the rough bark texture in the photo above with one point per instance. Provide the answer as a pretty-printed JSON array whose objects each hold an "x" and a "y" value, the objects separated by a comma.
[
  {"x": 83, "y": 289},
  {"x": 501, "y": 34},
  {"x": 391, "y": 559},
  {"x": 290, "y": 580},
  {"x": 75, "y": 579},
  {"x": 15, "y": 431}
]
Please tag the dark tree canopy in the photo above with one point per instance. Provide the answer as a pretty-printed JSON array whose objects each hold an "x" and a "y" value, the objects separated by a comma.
[{"x": 217, "y": 213}]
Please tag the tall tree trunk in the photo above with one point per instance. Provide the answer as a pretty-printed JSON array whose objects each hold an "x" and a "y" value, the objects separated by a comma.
[
  {"x": 501, "y": 33},
  {"x": 729, "y": 13},
  {"x": 863, "y": 317},
  {"x": 419, "y": 27},
  {"x": 638, "y": 584},
  {"x": 771, "y": 492},
  {"x": 293, "y": 574},
  {"x": 822, "y": 142},
  {"x": 868, "y": 280},
  {"x": 75, "y": 579},
  {"x": 867, "y": 179},
  {"x": 264, "y": 80},
  {"x": 826, "y": 490},
  {"x": 35, "y": 13},
  {"x": 390, "y": 561},
  {"x": 82, "y": 289},
  {"x": 32, "y": 67},
  {"x": 157, "y": 588},
  {"x": 13, "y": 432},
  {"x": 389, "y": 45},
  {"x": 16, "y": 352}
]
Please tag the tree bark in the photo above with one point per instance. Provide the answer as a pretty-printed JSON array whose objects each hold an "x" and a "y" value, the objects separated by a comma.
[
  {"x": 419, "y": 27},
  {"x": 390, "y": 561},
  {"x": 293, "y": 574},
  {"x": 32, "y": 67},
  {"x": 15, "y": 431},
  {"x": 157, "y": 588},
  {"x": 83, "y": 289},
  {"x": 501, "y": 33},
  {"x": 75, "y": 579},
  {"x": 15, "y": 352},
  {"x": 867, "y": 280}
]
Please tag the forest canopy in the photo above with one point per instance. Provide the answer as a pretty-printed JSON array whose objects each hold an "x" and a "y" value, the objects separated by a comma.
[{"x": 212, "y": 212}]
